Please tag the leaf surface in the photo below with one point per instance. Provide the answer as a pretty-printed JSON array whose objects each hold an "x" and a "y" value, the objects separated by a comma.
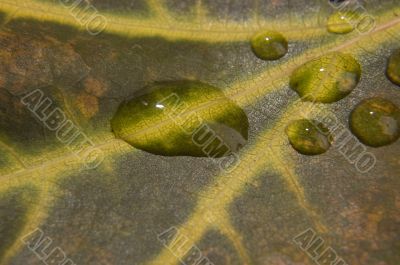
[{"x": 115, "y": 212}]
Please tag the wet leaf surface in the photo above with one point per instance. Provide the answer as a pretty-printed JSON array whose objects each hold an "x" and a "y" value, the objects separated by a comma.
[{"x": 109, "y": 207}]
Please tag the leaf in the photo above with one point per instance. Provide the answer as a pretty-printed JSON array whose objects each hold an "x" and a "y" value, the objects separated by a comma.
[{"x": 101, "y": 201}]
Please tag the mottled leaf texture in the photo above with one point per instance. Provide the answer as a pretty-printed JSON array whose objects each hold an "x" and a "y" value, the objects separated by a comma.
[{"x": 119, "y": 204}]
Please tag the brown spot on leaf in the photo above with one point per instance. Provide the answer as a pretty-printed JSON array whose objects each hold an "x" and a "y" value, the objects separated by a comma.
[
  {"x": 87, "y": 104},
  {"x": 29, "y": 62},
  {"x": 95, "y": 86}
]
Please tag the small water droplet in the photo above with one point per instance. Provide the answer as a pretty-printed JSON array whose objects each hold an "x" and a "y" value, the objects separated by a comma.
[
  {"x": 337, "y": 1},
  {"x": 326, "y": 79},
  {"x": 376, "y": 122},
  {"x": 182, "y": 118},
  {"x": 308, "y": 137},
  {"x": 269, "y": 45},
  {"x": 342, "y": 22},
  {"x": 393, "y": 67}
]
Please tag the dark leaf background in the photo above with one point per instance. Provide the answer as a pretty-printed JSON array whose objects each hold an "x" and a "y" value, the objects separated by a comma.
[{"x": 113, "y": 214}]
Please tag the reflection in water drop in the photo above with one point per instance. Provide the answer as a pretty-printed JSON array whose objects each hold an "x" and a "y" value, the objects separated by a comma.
[
  {"x": 326, "y": 79},
  {"x": 182, "y": 118},
  {"x": 308, "y": 137},
  {"x": 269, "y": 45},
  {"x": 376, "y": 122}
]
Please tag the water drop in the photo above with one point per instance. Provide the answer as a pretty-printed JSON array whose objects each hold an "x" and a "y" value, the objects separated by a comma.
[
  {"x": 376, "y": 122},
  {"x": 393, "y": 67},
  {"x": 308, "y": 137},
  {"x": 343, "y": 21},
  {"x": 182, "y": 118},
  {"x": 269, "y": 45},
  {"x": 326, "y": 79}
]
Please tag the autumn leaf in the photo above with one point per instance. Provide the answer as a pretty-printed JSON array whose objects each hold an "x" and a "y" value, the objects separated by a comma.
[{"x": 81, "y": 184}]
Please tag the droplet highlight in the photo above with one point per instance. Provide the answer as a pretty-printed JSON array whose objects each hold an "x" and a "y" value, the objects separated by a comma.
[
  {"x": 308, "y": 137},
  {"x": 342, "y": 22},
  {"x": 326, "y": 79},
  {"x": 393, "y": 67},
  {"x": 269, "y": 45},
  {"x": 376, "y": 122},
  {"x": 182, "y": 118}
]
